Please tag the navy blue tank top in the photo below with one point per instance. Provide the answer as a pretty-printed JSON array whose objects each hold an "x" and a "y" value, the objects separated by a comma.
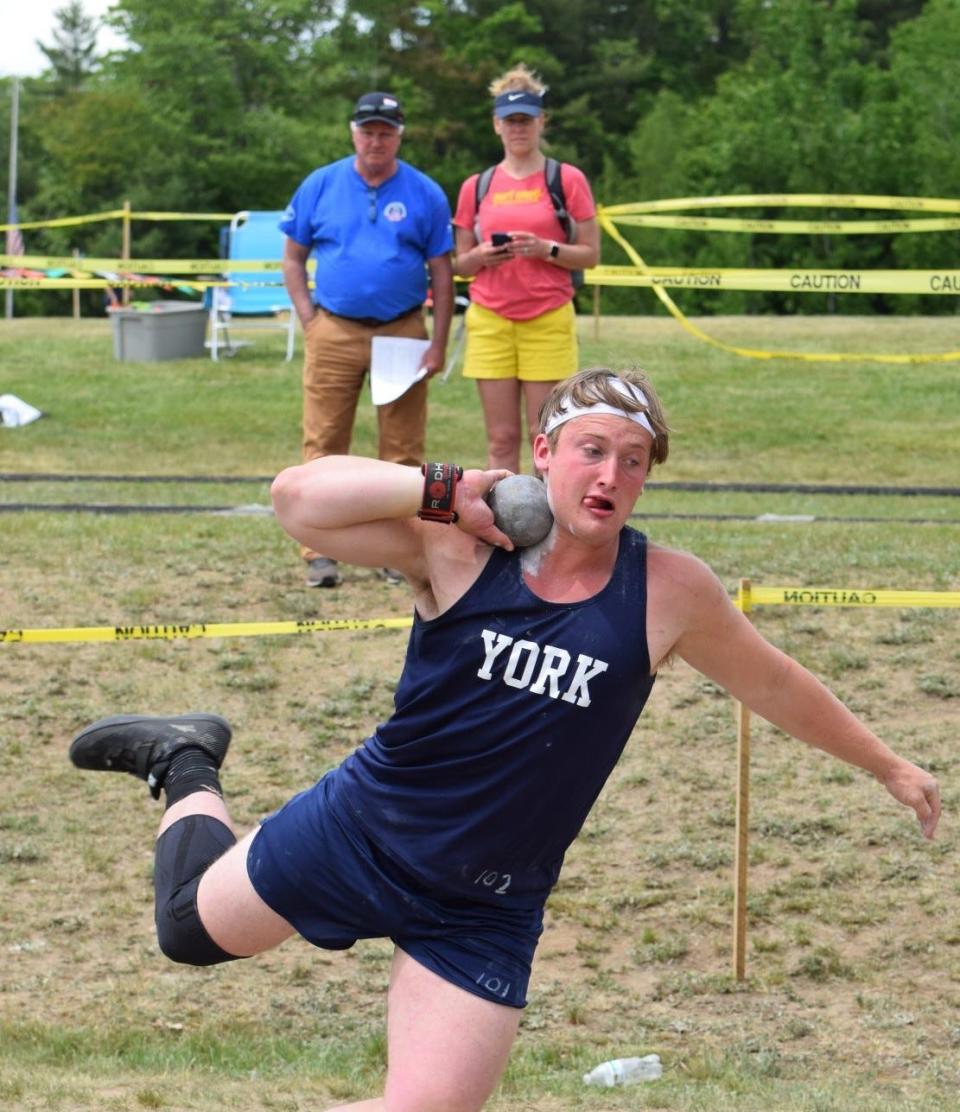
[{"x": 510, "y": 714}]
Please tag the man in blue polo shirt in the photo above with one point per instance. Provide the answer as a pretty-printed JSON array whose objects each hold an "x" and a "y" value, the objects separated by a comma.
[{"x": 376, "y": 226}]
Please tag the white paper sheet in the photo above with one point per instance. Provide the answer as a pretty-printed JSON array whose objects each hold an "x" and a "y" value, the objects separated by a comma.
[
  {"x": 395, "y": 367},
  {"x": 15, "y": 412}
]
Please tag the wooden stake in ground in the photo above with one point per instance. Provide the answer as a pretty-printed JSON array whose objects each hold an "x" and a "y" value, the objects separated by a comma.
[
  {"x": 76, "y": 292},
  {"x": 125, "y": 247},
  {"x": 741, "y": 851},
  {"x": 596, "y": 312}
]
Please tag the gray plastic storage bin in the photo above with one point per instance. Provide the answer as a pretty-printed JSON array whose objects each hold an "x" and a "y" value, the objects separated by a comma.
[{"x": 165, "y": 330}]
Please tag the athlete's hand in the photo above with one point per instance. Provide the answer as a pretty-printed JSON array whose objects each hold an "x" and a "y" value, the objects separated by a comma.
[
  {"x": 916, "y": 788},
  {"x": 474, "y": 516}
]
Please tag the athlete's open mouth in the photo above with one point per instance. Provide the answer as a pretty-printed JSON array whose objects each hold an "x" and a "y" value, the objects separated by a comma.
[{"x": 595, "y": 502}]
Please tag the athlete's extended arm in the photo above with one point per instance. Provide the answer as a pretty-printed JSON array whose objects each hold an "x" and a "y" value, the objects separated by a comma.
[
  {"x": 717, "y": 640},
  {"x": 363, "y": 511}
]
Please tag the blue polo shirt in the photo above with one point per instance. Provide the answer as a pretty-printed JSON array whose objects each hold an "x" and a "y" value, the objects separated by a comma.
[{"x": 370, "y": 243}]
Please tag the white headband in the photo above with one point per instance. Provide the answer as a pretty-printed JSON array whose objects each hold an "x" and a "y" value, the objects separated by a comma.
[{"x": 634, "y": 393}]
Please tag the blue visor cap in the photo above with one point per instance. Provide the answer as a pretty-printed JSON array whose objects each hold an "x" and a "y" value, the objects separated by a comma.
[{"x": 517, "y": 104}]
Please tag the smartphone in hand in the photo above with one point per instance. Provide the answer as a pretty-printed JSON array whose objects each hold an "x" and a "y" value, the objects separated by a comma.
[{"x": 500, "y": 239}]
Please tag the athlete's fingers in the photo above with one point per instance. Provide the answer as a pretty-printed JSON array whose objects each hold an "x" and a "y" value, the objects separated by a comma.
[{"x": 928, "y": 809}]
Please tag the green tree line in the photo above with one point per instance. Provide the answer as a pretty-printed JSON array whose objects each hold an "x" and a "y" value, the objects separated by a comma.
[{"x": 220, "y": 105}]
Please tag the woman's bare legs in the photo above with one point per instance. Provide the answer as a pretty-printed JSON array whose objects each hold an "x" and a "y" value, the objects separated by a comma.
[
  {"x": 500, "y": 398},
  {"x": 533, "y": 395}
]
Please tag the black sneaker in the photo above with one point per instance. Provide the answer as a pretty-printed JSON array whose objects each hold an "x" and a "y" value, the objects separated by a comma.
[
  {"x": 142, "y": 744},
  {"x": 322, "y": 572}
]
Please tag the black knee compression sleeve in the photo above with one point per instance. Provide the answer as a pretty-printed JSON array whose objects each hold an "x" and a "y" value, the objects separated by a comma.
[{"x": 184, "y": 852}]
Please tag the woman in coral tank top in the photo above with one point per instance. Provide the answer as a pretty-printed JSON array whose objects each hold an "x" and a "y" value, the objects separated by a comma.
[{"x": 521, "y": 328}]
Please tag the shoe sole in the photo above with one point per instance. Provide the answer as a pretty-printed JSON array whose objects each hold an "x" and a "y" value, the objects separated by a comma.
[
  {"x": 330, "y": 581},
  {"x": 86, "y": 738}
]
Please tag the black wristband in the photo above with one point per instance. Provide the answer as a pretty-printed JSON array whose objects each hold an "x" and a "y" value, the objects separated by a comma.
[{"x": 439, "y": 492}]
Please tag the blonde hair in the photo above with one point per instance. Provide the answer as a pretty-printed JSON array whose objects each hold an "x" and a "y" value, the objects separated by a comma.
[
  {"x": 518, "y": 79},
  {"x": 593, "y": 386}
]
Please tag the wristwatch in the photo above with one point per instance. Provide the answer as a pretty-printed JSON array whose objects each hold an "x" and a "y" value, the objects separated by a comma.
[{"x": 554, "y": 249}]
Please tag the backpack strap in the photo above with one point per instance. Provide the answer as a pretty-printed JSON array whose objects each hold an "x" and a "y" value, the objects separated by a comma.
[
  {"x": 482, "y": 189},
  {"x": 552, "y": 172},
  {"x": 554, "y": 179}
]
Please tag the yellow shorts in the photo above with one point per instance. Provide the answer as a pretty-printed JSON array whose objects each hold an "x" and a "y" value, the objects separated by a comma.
[{"x": 543, "y": 349}]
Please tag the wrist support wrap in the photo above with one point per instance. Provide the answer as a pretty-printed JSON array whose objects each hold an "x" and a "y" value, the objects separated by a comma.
[{"x": 439, "y": 492}]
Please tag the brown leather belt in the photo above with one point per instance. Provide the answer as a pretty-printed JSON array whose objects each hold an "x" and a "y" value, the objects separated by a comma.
[{"x": 371, "y": 322}]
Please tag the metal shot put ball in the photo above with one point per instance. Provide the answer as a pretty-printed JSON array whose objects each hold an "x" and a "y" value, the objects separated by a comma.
[{"x": 520, "y": 509}]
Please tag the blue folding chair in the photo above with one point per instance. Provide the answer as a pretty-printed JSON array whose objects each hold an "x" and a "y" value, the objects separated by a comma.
[{"x": 255, "y": 298}]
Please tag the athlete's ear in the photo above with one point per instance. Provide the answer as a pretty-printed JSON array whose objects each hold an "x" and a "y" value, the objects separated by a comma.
[{"x": 541, "y": 452}]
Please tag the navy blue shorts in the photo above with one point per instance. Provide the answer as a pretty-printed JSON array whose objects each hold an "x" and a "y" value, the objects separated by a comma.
[{"x": 320, "y": 872}]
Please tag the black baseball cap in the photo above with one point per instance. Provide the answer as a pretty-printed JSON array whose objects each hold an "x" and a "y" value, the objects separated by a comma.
[{"x": 378, "y": 106}]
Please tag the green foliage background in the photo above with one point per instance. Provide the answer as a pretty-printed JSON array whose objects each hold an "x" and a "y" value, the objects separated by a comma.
[{"x": 219, "y": 105}]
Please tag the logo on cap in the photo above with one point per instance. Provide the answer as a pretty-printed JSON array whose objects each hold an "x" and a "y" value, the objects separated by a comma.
[
  {"x": 518, "y": 103},
  {"x": 378, "y": 106}
]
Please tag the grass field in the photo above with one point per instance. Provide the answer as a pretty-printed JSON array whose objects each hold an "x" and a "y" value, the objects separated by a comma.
[{"x": 853, "y": 986}]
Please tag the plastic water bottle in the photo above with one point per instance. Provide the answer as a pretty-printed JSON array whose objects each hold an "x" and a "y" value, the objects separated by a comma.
[{"x": 625, "y": 1071}]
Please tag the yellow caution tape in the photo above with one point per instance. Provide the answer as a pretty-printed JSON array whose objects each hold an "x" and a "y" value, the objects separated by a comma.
[
  {"x": 758, "y": 353},
  {"x": 928, "y": 282},
  {"x": 756, "y": 596},
  {"x": 182, "y": 215},
  {"x": 763, "y": 200},
  {"x": 117, "y": 214},
  {"x": 192, "y": 630},
  {"x": 791, "y": 227},
  {"x": 795, "y": 281},
  {"x": 846, "y": 596},
  {"x": 639, "y": 213},
  {"x": 65, "y": 221},
  {"x": 129, "y": 283},
  {"x": 141, "y": 266},
  {"x": 785, "y": 200},
  {"x": 102, "y": 283}
]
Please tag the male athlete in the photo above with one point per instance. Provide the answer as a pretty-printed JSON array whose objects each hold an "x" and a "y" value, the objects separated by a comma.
[{"x": 525, "y": 674}]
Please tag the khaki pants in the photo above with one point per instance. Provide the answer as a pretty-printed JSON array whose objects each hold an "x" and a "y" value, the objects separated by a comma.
[{"x": 336, "y": 362}]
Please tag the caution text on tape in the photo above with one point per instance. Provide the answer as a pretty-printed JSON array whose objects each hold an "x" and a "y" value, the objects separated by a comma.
[
  {"x": 846, "y": 596},
  {"x": 185, "y": 631},
  {"x": 788, "y": 281}
]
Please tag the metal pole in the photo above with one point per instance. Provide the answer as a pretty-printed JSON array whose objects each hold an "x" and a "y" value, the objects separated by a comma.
[{"x": 12, "y": 175}]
